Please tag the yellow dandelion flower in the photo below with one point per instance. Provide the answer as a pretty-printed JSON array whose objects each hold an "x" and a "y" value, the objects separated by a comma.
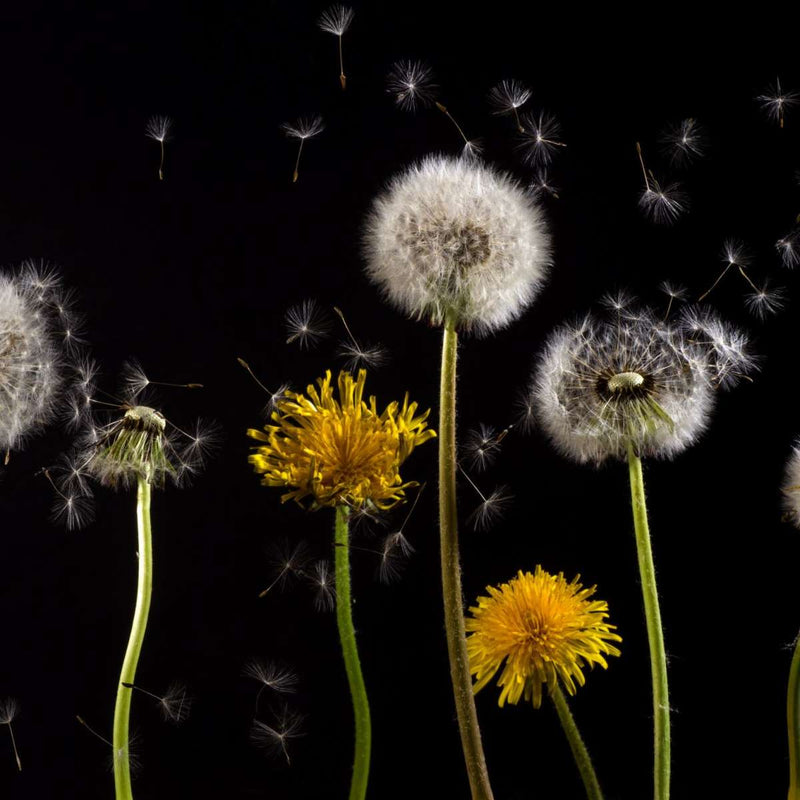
[
  {"x": 339, "y": 451},
  {"x": 545, "y": 630}
]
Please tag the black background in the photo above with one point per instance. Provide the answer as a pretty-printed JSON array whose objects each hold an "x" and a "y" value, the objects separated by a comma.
[{"x": 189, "y": 273}]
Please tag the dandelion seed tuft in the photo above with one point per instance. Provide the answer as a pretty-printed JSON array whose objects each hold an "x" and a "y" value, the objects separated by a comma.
[
  {"x": 456, "y": 239},
  {"x": 274, "y": 738},
  {"x": 306, "y": 324},
  {"x": 411, "y": 84},
  {"x": 540, "y": 138},
  {"x": 336, "y": 19},
  {"x": 541, "y": 631},
  {"x": 509, "y": 95},
  {"x": 684, "y": 142}
]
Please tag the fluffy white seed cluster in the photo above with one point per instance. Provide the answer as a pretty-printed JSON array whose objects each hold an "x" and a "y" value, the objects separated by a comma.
[
  {"x": 30, "y": 354},
  {"x": 603, "y": 384},
  {"x": 454, "y": 238}
]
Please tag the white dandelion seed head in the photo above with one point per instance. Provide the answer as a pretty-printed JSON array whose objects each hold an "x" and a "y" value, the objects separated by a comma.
[
  {"x": 336, "y": 19},
  {"x": 304, "y": 127},
  {"x": 791, "y": 486},
  {"x": 509, "y": 95},
  {"x": 31, "y": 358},
  {"x": 684, "y": 142},
  {"x": 450, "y": 238},
  {"x": 158, "y": 128},
  {"x": 603, "y": 384},
  {"x": 663, "y": 204},
  {"x": 412, "y": 85}
]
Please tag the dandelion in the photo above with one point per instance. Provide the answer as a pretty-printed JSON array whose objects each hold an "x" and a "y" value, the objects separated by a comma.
[
  {"x": 158, "y": 128},
  {"x": 139, "y": 447},
  {"x": 31, "y": 361},
  {"x": 336, "y": 20},
  {"x": 540, "y": 138},
  {"x": 411, "y": 83},
  {"x": 305, "y": 324},
  {"x": 775, "y": 101},
  {"x": 507, "y": 96},
  {"x": 459, "y": 242},
  {"x": 461, "y": 246},
  {"x": 791, "y": 499},
  {"x": 356, "y": 355},
  {"x": 8, "y": 713},
  {"x": 304, "y": 128},
  {"x": 662, "y": 205},
  {"x": 274, "y": 737},
  {"x": 627, "y": 388},
  {"x": 341, "y": 452},
  {"x": 541, "y": 631},
  {"x": 684, "y": 142}
]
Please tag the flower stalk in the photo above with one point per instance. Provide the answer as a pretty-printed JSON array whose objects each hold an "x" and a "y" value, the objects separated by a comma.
[
  {"x": 793, "y": 722},
  {"x": 122, "y": 770},
  {"x": 579, "y": 752},
  {"x": 352, "y": 663},
  {"x": 451, "y": 573},
  {"x": 655, "y": 635}
]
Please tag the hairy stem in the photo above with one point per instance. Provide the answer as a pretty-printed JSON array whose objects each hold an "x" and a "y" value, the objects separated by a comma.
[
  {"x": 793, "y": 722},
  {"x": 655, "y": 635},
  {"x": 579, "y": 751},
  {"x": 451, "y": 574},
  {"x": 347, "y": 636},
  {"x": 122, "y": 710}
]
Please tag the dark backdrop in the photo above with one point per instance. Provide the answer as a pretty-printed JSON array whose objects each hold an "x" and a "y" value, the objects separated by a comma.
[{"x": 190, "y": 273}]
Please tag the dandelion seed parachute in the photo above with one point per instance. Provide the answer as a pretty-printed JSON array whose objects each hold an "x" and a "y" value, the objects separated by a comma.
[
  {"x": 455, "y": 238},
  {"x": 411, "y": 83}
]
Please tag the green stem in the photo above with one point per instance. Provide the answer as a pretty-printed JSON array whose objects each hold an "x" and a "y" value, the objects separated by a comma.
[
  {"x": 793, "y": 721},
  {"x": 352, "y": 664},
  {"x": 451, "y": 575},
  {"x": 655, "y": 635},
  {"x": 144, "y": 589},
  {"x": 579, "y": 751}
]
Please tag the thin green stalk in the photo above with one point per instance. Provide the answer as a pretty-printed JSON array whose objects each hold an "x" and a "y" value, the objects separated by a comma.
[
  {"x": 144, "y": 589},
  {"x": 352, "y": 664},
  {"x": 793, "y": 722},
  {"x": 655, "y": 635},
  {"x": 579, "y": 751},
  {"x": 451, "y": 575}
]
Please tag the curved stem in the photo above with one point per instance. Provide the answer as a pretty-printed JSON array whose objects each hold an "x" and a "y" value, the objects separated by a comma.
[
  {"x": 451, "y": 574},
  {"x": 347, "y": 636},
  {"x": 793, "y": 722},
  {"x": 122, "y": 710},
  {"x": 579, "y": 751},
  {"x": 655, "y": 635}
]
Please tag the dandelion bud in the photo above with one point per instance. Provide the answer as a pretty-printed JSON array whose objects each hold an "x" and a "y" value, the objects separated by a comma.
[{"x": 455, "y": 239}]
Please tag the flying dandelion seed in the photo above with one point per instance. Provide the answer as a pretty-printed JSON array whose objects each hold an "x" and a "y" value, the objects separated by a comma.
[
  {"x": 273, "y": 397},
  {"x": 306, "y": 324},
  {"x": 481, "y": 446},
  {"x": 618, "y": 301},
  {"x": 289, "y": 562},
  {"x": 8, "y": 712},
  {"x": 411, "y": 83},
  {"x": 507, "y": 96},
  {"x": 735, "y": 254},
  {"x": 274, "y": 738},
  {"x": 127, "y": 754},
  {"x": 356, "y": 356},
  {"x": 175, "y": 705},
  {"x": 336, "y": 20},
  {"x": 472, "y": 147},
  {"x": 492, "y": 506},
  {"x": 674, "y": 293},
  {"x": 765, "y": 300},
  {"x": 158, "y": 128},
  {"x": 789, "y": 249},
  {"x": 662, "y": 205},
  {"x": 541, "y": 185},
  {"x": 322, "y": 582},
  {"x": 684, "y": 142},
  {"x": 540, "y": 138},
  {"x": 775, "y": 101},
  {"x": 396, "y": 547},
  {"x": 272, "y": 676},
  {"x": 304, "y": 128}
]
